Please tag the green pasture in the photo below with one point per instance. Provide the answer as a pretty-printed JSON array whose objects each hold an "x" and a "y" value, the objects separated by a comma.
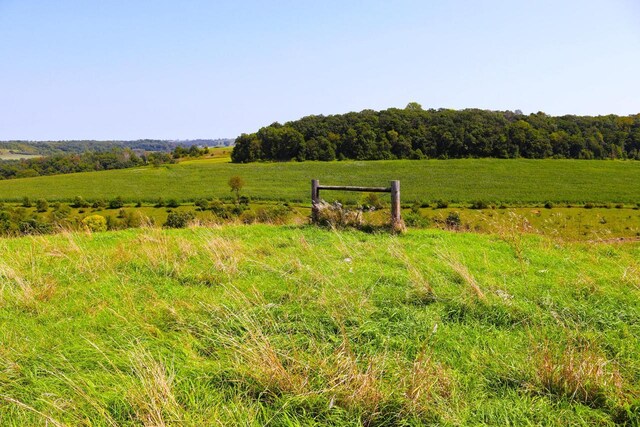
[
  {"x": 291, "y": 326},
  {"x": 511, "y": 181}
]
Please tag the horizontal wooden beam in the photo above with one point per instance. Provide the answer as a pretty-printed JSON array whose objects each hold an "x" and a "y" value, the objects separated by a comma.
[{"x": 348, "y": 188}]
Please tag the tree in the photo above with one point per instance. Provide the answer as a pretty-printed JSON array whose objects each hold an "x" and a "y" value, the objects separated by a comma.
[
  {"x": 413, "y": 106},
  {"x": 116, "y": 203},
  {"x": 236, "y": 183}
]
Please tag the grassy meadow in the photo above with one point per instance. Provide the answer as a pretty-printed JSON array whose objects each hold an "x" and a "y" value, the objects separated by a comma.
[
  {"x": 292, "y": 326},
  {"x": 518, "y": 181}
]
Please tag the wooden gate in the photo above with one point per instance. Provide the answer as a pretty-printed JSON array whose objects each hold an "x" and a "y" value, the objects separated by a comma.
[{"x": 394, "y": 189}]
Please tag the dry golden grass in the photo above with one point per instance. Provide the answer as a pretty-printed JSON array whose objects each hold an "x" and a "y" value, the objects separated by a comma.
[
  {"x": 462, "y": 273},
  {"x": 354, "y": 383},
  {"x": 428, "y": 386},
  {"x": 274, "y": 371},
  {"x": 577, "y": 372},
  {"x": 225, "y": 255},
  {"x": 153, "y": 397},
  {"x": 422, "y": 289}
]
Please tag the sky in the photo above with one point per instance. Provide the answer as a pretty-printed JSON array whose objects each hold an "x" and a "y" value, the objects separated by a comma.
[{"x": 123, "y": 69}]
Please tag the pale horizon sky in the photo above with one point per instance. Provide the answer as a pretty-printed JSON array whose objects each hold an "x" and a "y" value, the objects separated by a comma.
[{"x": 89, "y": 69}]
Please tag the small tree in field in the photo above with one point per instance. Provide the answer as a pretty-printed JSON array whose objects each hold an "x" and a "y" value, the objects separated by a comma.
[{"x": 236, "y": 183}]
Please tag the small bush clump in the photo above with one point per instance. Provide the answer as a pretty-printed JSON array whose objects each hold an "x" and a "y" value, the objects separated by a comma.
[
  {"x": 453, "y": 220},
  {"x": 179, "y": 219},
  {"x": 116, "y": 203},
  {"x": 95, "y": 223},
  {"x": 335, "y": 215},
  {"x": 172, "y": 203},
  {"x": 479, "y": 204},
  {"x": 413, "y": 219},
  {"x": 80, "y": 203},
  {"x": 372, "y": 202},
  {"x": 442, "y": 204},
  {"x": 42, "y": 205},
  {"x": 273, "y": 214}
]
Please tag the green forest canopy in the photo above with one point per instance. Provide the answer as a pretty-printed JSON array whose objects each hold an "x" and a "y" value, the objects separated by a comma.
[{"x": 414, "y": 133}]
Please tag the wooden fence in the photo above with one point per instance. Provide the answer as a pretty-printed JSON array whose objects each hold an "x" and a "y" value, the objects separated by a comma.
[{"x": 394, "y": 189}]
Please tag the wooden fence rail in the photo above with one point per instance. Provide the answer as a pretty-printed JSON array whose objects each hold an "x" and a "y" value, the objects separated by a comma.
[{"x": 394, "y": 189}]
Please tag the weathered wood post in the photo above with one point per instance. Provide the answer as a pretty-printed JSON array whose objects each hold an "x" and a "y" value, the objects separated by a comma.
[
  {"x": 396, "y": 216},
  {"x": 315, "y": 199}
]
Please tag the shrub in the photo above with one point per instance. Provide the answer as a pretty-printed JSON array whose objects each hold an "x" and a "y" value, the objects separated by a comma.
[
  {"x": 172, "y": 203},
  {"x": 218, "y": 209},
  {"x": 549, "y": 205},
  {"x": 159, "y": 203},
  {"x": 79, "y": 202},
  {"x": 248, "y": 217},
  {"x": 619, "y": 206},
  {"x": 95, "y": 223},
  {"x": 273, "y": 214},
  {"x": 60, "y": 211},
  {"x": 335, "y": 215},
  {"x": 372, "y": 201},
  {"x": 132, "y": 219},
  {"x": 413, "y": 219},
  {"x": 415, "y": 208},
  {"x": 33, "y": 226},
  {"x": 244, "y": 200},
  {"x": 442, "y": 204},
  {"x": 112, "y": 223},
  {"x": 42, "y": 205},
  {"x": 479, "y": 204},
  {"x": 202, "y": 204},
  {"x": 589, "y": 205},
  {"x": 453, "y": 220},
  {"x": 26, "y": 202},
  {"x": 179, "y": 219},
  {"x": 116, "y": 203},
  {"x": 99, "y": 204}
]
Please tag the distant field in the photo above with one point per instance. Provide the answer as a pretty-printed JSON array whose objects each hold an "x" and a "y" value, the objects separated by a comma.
[
  {"x": 512, "y": 181},
  {"x": 13, "y": 156}
]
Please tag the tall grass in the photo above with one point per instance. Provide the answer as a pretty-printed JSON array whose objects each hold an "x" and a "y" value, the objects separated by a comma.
[{"x": 266, "y": 325}]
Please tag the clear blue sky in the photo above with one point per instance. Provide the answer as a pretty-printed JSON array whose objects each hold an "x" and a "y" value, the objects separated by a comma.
[{"x": 204, "y": 69}]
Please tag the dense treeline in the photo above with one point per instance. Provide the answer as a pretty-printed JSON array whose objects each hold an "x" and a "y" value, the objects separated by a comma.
[
  {"x": 85, "y": 162},
  {"x": 414, "y": 133},
  {"x": 49, "y": 148}
]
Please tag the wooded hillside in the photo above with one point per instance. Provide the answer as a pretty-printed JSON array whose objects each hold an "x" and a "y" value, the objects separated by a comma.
[{"x": 414, "y": 133}]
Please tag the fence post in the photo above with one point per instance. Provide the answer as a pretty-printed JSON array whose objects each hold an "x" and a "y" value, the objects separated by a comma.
[
  {"x": 396, "y": 216},
  {"x": 315, "y": 199}
]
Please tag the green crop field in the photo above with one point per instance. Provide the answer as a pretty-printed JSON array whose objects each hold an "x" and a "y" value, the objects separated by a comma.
[
  {"x": 511, "y": 181},
  {"x": 292, "y": 326}
]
